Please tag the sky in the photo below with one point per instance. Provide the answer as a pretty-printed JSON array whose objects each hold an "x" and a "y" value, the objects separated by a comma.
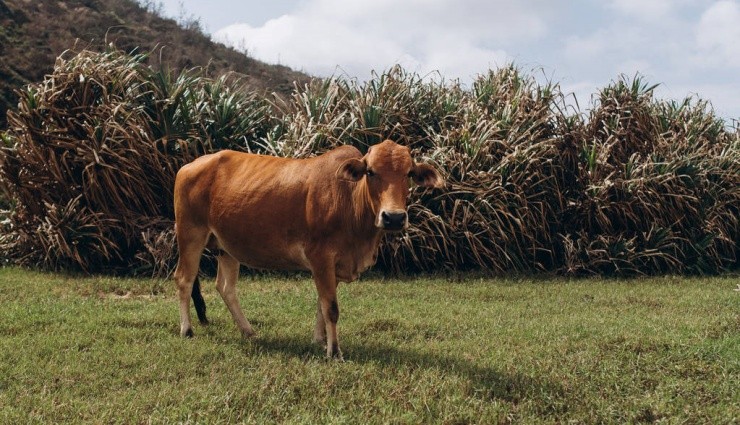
[{"x": 688, "y": 47}]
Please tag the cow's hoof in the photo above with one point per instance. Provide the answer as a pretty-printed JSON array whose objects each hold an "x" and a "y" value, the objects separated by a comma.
[
  {"x": 321, "y": 342},
  {"x": 248, "y": 333},
  {"x": 335, "y": 354},
  {"x": 187, "y": 333}
]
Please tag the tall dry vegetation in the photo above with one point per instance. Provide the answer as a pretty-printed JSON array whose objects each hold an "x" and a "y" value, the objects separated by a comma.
[
  {"x": 637, "y": 186},
  {"x": 96, "y": 148}
]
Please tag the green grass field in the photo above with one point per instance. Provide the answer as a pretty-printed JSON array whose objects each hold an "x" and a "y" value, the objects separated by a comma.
[{"x": 107, "y": 350}]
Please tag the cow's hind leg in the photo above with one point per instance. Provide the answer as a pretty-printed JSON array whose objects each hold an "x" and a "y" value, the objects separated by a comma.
[
  {"x": 226, "y": 278},
  {"x": 190, "y": 245}
]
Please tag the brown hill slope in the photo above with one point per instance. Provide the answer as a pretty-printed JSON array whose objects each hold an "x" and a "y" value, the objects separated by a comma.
[{"x": 34, "y": 32}]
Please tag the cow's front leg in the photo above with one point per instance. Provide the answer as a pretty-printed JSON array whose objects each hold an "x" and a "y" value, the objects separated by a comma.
[
  {"x": 319, "y": 332},
  {"x": 326, "y": 285}
]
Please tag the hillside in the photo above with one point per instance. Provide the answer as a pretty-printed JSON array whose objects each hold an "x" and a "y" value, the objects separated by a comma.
[{"x": 34, "y": 33}]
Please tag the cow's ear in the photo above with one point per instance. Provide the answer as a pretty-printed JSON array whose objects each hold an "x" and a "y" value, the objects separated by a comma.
[
  {"x": 352, "y": 170},
  {"x": 425, "y": 175}
]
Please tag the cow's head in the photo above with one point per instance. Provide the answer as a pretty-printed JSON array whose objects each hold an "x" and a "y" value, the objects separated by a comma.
[{"x": 385, "y": 171}]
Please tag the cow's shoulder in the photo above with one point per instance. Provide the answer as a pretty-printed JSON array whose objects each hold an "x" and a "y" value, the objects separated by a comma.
[
  {"x": 342, "y": 153},
  {"x": 324, "y": 166},
  {"x": 208, "y": 161}
]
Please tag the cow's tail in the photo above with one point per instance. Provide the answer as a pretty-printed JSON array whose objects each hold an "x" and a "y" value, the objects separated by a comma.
[{"x": 199, "y": 302}]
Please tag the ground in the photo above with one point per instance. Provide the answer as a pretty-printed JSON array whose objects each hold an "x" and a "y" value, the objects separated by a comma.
[{"x": 424, "y": 350}]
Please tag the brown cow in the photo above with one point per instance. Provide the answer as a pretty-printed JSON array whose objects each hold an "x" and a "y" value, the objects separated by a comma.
[{"x": 324, "y": 214}]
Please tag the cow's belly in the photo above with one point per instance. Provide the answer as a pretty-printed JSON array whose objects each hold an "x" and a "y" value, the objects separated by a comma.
[
  {"x": 272, "y": 262},
  {"x": 283, "y": 247},
  {"x": 268, "y": 254}
]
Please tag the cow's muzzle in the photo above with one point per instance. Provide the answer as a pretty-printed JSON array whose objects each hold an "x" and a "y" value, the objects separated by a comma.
[{"x": 393, "y": 220}]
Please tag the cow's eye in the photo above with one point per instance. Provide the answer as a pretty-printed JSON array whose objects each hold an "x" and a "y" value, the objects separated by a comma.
[{"x": 370, "y": 173}]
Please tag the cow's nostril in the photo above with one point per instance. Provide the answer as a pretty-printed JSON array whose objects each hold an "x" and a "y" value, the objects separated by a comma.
[{"x": 393, "y": 219}]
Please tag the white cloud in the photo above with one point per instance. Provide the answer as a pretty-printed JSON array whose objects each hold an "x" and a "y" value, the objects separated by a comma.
[
  {"x": 631, "y": 67},
  {"x": 459, "y": 38},
  {"x": 691, "y": 45},
  {"x": 718, "y": 35},
  {"x": 454, "y": 58},
  {"x": 586, "y": 47},
  {"x": 647, "y": 10},
  {"x": 309, "y": 44},
  {"x": 619, "y": 49},
  {"x": 628, "y": 44}
]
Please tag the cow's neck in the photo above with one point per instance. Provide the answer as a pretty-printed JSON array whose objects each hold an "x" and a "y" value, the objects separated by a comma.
[
  {"x": 364, "y": 214},
  {"x": 362, "y": 253}
]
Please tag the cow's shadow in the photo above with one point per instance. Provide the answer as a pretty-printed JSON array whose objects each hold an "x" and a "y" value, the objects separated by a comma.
[{"x": 487, "y": 382}]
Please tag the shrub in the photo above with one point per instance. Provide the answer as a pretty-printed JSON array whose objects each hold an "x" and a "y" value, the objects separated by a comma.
[
  {"x": 97, "y": 146},
  {"x": 636, "y": 186},
  {"x": 661, "y": 184}
]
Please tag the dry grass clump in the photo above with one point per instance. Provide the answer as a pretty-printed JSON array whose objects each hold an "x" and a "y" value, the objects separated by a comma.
[
  {"x": 661, "y": 187},
  {"x": 637, "y": 186},
  {"x": 508, "y": 160},
  {"x": 96, "y": 148},
  {"x": 503, "y": 165}
]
